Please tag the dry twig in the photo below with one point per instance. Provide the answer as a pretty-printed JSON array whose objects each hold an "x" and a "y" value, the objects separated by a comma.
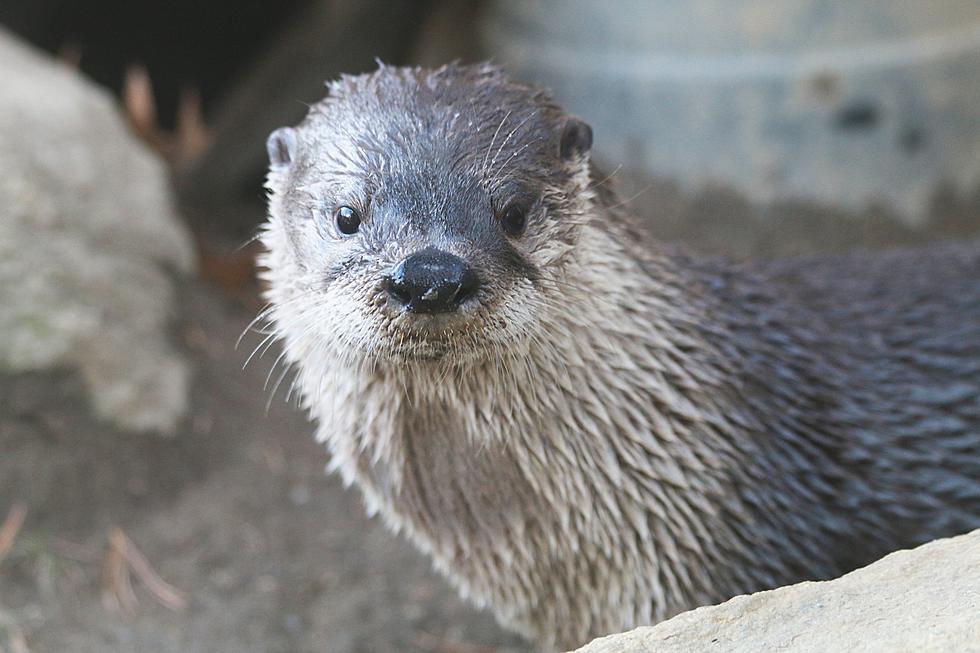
[
  {"x": 430, "y": 642},
  {"x": 11, "y": 527},
  {"x": 117, "y": 586},
  {"x": 123, "y": 557},
  {"x": 141, "y": 107},
  {"x": 12, "y": 638},
  {"x": 191, "y": 138}
]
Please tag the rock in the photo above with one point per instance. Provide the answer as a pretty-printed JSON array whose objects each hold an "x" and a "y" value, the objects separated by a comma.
[
  {"x": 925, "y": 599},
  {"x": 88, "y": 240}
]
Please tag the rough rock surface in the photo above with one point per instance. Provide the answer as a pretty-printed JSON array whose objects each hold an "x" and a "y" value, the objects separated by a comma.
[
  {"x": 87, "y": 232},
  {"x": 925, "y": 599}
]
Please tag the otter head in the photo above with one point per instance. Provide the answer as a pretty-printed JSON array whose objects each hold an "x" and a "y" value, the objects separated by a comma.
[{"x": 419, "y": 213}]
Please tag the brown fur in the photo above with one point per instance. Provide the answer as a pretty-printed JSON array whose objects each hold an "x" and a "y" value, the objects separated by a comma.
[{"x": 615, "y": 432}]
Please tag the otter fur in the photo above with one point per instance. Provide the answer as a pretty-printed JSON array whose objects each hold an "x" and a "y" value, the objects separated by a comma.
[{"x": 601, "y": 431}]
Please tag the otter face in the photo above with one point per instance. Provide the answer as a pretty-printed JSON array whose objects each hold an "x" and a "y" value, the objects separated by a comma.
[{"x": 418, "y": 213}]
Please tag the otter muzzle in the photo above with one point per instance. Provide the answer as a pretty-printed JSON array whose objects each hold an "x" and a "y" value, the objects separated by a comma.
[{"x": 432, "y": 281}]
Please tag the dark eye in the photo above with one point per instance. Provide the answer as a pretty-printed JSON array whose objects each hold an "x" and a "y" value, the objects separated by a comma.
[
  {"x": 348, "y": 220},
  {"x": 514, "y": 220}
]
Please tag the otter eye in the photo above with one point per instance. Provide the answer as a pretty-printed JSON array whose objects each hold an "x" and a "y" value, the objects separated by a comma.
[
  {"x": 348, "y": 221},
  {"x": 514, "y": 220}
]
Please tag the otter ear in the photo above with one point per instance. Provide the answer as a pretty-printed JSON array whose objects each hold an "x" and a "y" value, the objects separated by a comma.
[
  {"x": 281, "y": 146},
  {"x": 576, "y": 139}
]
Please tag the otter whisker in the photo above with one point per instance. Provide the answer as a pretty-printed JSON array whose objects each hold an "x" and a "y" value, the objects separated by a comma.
[
  {"x": 263, "y": 345},
  {"x": 597, "y": 184},
  {"x": 632, "y": 198},
  {"x": 268, "y": 403},
  {"x": 493, "y": 140},
  {"x": 516, "y": 153},
  {"x": 533, "y": 114},
  {"x": 263, "y": 315}
]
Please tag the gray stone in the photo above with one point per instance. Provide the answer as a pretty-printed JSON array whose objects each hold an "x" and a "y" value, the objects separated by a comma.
[
  {"x": 922, "y": 600},
  {"x": 88, "y": 237}
]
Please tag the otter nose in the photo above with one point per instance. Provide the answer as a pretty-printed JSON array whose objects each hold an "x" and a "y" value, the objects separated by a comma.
[{"x": 432, "y": 281}]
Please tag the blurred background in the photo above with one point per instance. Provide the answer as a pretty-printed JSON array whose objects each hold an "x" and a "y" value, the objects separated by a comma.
[{"x": 156, "y": 497}]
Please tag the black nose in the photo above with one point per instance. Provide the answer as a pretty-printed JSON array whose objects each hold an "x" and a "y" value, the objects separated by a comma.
[{"x": 432, "y": 281}]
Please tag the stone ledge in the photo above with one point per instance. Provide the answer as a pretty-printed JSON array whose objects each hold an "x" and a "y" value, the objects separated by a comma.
[{"x": 921, "y": 600}]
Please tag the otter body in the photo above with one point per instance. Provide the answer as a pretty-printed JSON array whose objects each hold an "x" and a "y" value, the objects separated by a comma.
[{"x": 587, "y": 433}]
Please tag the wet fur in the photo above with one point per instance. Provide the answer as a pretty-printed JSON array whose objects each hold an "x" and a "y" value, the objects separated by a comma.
[{"x": 618, "y": 432}]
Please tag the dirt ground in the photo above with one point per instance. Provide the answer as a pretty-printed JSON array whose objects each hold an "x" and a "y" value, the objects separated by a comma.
[{"x": 235, "y": 512}]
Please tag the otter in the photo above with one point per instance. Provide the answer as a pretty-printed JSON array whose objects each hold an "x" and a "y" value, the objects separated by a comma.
[{"x": 586, "y": 430}]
